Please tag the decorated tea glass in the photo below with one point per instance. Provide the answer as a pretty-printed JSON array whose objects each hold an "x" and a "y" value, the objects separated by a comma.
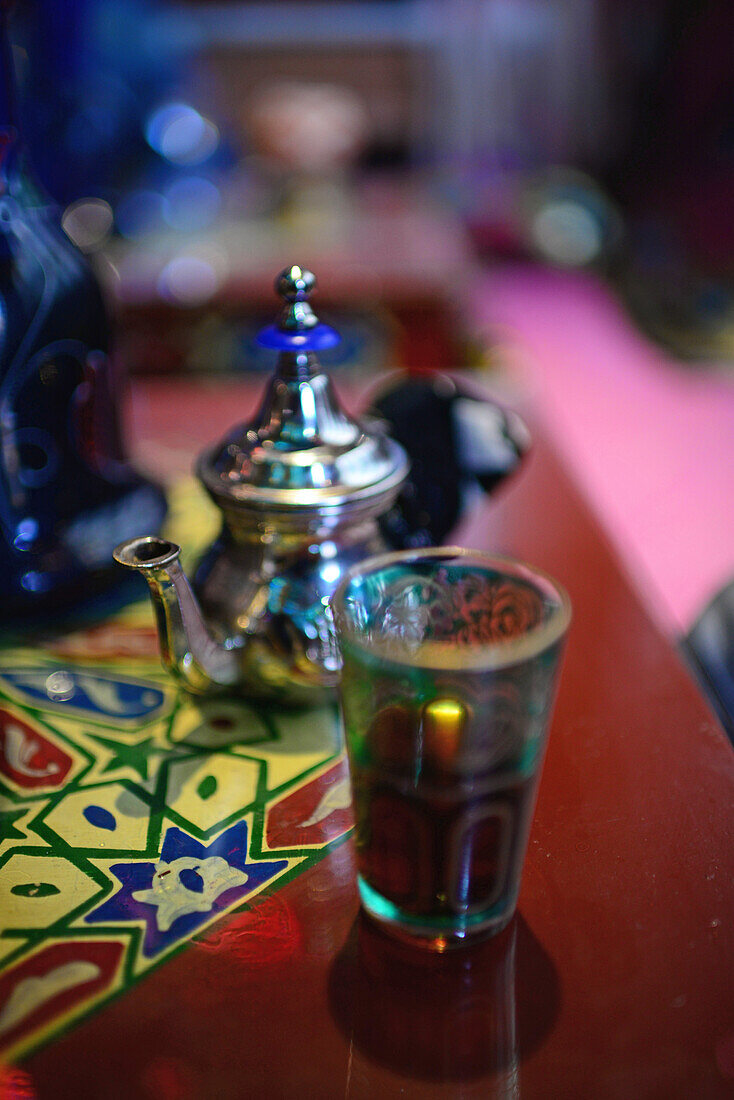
[{"x": 450, "y": 664}]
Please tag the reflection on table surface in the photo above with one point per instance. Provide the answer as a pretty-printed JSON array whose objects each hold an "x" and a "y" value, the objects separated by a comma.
[{"x": 466, "y": 1018}]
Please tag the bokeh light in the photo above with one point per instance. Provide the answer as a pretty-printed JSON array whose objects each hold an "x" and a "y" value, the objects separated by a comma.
[
  {"x": 566, "y": 233},
  {"x": 88, "y": 223},
  {"x": 192, "y": 278},
  {"x": 181, "y": 134}
]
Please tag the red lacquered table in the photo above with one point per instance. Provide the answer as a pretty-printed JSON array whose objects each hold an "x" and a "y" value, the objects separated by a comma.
[{"x": 616, "y": 980}]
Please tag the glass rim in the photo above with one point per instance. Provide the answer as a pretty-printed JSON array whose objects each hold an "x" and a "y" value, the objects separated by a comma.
[{"x": 446, "y": 655}]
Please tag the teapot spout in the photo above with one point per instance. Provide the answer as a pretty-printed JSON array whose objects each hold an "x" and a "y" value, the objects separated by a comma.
[{"x": 188, "y": 651}]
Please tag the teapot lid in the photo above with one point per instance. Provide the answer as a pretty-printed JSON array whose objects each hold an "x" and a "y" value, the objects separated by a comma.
[{"x": 301, "y": 450}]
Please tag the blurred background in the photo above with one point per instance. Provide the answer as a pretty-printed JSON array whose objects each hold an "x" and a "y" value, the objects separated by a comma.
[
  {"x": 543, "y": 189},
  {"x": 190, "y": 142}
]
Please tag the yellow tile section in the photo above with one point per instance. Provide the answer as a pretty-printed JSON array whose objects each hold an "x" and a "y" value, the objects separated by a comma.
[
  {"x": 9, "y": 944},
  {"x": 129, "y": 815},
  {"x": 208, "y": 790},
  {"x": 305, "y": 740},
  {"x": 35, "y": 892},
  {"x": 215, "y": 723}
]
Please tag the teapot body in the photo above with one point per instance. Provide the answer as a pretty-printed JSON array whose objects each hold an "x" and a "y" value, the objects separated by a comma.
[{"x": 265, "y": 595}]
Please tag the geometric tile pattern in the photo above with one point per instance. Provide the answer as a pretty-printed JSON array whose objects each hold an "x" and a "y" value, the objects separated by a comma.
[{"x": 134, "y": 816}]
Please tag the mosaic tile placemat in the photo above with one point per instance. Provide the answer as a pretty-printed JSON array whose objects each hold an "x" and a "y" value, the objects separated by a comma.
[{"x": 133, "y": 816}]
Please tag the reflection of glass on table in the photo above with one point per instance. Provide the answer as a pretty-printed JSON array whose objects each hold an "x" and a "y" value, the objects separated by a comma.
[{"x": 450, "y": 665}]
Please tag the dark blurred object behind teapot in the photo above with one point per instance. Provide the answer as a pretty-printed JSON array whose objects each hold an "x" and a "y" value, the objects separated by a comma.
[{"x": 458, "y": 444}]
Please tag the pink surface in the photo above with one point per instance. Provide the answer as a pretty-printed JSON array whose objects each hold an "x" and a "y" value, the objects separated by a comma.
[{"x": 651, "y": 442}]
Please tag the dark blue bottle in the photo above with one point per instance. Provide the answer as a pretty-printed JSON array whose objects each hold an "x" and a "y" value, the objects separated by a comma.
[{"x": 68, "y": 495}]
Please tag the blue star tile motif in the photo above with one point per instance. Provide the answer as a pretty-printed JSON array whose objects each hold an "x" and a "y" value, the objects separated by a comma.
[{"x": 190, "y": 883}]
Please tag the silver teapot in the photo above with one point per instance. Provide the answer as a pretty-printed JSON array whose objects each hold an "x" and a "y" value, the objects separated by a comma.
[
  {"x": 300, "y": 488},
  {"x": 305, "y": 492}
]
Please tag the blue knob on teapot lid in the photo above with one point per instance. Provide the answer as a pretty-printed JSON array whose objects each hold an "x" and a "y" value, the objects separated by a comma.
[{"x": 297, "y": 328}]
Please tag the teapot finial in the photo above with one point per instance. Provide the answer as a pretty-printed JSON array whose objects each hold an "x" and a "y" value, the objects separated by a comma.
[
  {"x": 297, "y": 327},
  {"x": 295, "y": 283}
]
